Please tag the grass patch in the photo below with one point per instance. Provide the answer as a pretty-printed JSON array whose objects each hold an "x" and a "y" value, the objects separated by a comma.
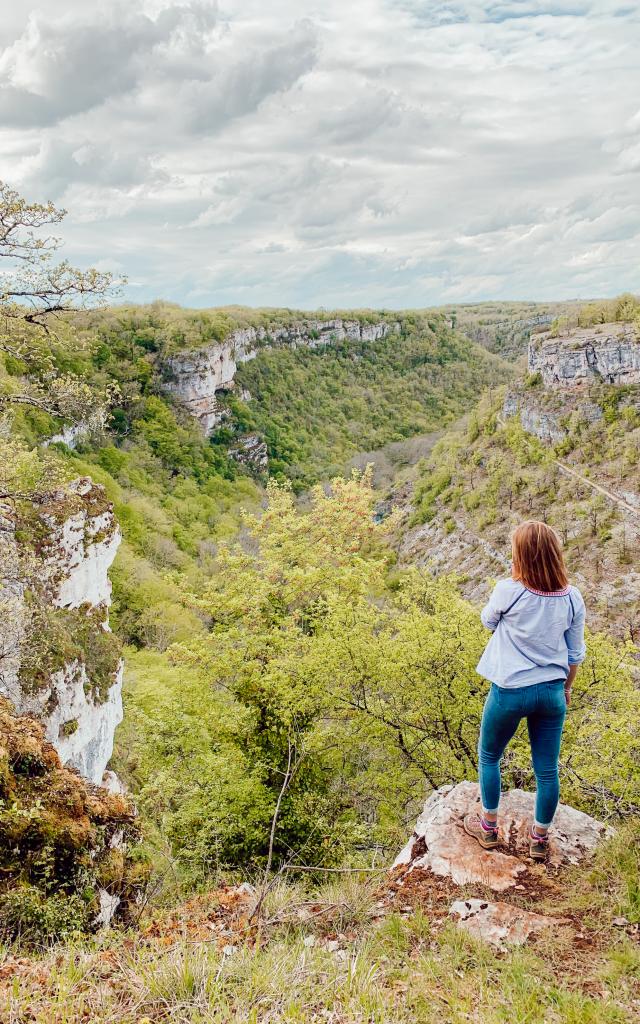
[{"x": 325, "y": 953}]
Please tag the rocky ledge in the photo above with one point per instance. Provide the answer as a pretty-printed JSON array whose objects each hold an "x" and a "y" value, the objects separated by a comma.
[
  {"x": 541, "y": 423},
  {"x": 195, "y": 377},
  {"x": 440, "y": 847},
  {"x": 609, "y": 353},
  {"x": 251, "y": 451},
  {"x": 545, "y": 414}
]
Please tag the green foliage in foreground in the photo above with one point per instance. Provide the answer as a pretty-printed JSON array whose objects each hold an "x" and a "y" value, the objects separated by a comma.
[
  {"x": 353, "y": 690},
  {"x": 319, "y": 407},
  {"x": 403, "y": 968}
]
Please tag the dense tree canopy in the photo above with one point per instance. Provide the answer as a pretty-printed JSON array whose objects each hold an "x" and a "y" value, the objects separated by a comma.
[
  {"x": 319, "y": 407},
  {"x": 317, "y": 645}
]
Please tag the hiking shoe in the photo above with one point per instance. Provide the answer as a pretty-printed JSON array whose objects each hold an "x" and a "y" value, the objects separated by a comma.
[
  {"x": 538, "y": 845},
  {"x": 488, "y": 838}
]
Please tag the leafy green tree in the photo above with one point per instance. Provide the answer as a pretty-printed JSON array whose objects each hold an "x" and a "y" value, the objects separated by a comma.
[
  {"x": 315, "y": 652},
  {"x": 37, "y": 295}
]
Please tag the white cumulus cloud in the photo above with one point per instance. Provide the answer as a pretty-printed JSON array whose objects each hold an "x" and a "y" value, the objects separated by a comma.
[{"x": 380, "y": 152}]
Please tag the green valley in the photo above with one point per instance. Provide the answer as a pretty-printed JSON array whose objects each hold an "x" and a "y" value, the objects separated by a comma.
[{"x": 284, "y": 654}]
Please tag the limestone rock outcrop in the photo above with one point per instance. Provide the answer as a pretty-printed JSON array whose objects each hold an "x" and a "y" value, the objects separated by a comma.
[
  {"x": 609, "y": 353},
  {"x": 440, "y": 844},
  {"x": 542, "y": 423},
  {"x": 500, "y": 924},
  {"x": 80, "y": 723},
  {"x": 80, "y": 549},
  {"x": 12, "y": 596},
  {"x": 194, "y": 378},
  {"x": 251, "y": 451},
  {"x": 440, "y": 847},
  {"x": 545, "y": 415},
  {"x": 60, "y": 661}
]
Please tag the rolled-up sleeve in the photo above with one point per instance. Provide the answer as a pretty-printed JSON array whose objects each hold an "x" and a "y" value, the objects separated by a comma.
[
  {"x": 574, "y": 636},
  {"x": 490, "y": 614}
]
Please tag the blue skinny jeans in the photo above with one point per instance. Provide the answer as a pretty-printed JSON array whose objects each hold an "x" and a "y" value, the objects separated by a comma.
[{"x": 545, "y": 707}]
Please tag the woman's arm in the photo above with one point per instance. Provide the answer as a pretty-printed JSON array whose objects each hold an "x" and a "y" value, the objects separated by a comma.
[
  {"x": 576, "y": 647},
  {"x": 495, "y": 606},
  {"x": 573, "y": 671}
]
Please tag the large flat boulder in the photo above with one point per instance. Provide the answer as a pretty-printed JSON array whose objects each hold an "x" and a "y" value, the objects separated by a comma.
[
  {"x": 500, "y": 924},
  {"x": 440, "y": 844}
]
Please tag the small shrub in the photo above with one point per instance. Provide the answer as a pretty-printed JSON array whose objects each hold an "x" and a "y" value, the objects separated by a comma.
[{"x": 27, "y": 914}]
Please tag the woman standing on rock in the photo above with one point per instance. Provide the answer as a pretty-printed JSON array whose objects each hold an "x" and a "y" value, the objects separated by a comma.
[{"x": 537, "y": 621}]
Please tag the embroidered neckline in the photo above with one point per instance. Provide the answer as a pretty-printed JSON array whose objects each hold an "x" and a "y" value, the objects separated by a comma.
[{"x": 547, "y": 593}]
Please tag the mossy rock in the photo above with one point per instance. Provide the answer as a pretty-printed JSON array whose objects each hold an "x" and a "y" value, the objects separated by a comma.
[
  {"x": 61, "y": 838},
  {"x": 62, "y": 637}
]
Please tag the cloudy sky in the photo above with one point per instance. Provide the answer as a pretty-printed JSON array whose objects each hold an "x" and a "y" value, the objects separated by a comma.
[{"x": 333, "y": 152}]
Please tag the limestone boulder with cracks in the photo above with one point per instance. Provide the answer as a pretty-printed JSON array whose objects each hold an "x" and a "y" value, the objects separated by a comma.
[
  {"x": 500, "y": 924},
  {"x": 440, "y": 846}
]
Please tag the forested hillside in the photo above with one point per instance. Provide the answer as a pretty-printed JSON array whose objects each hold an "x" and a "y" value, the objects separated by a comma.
[
  {"x": 174, "y": 490},
  {"x": 505, "y": 327},
  {"x": 319, "y": 407},
  {"x": 564, "y": 454},
  {"x": 315, "y": 405}
]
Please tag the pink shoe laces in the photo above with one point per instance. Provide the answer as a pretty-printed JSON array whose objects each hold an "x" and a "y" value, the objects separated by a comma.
[{"x": 538, "y": 838}]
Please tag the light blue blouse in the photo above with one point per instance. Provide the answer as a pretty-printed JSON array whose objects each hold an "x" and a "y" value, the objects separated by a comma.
[{"x": 535, "y": 636}]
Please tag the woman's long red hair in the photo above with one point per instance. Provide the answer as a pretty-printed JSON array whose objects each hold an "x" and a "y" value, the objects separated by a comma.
[{"x": 538, "y": 561}]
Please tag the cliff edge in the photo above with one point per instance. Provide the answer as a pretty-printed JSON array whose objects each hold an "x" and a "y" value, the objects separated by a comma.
[
  {"x": 59, "y": 661},
  {"x": 609, "y": 353},
  {"x": 440, "y": 854},
  {"x": 195, "y": 378}
]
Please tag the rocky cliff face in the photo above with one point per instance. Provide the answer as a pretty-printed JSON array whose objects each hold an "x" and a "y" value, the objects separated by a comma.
[
  {"x": 58, "y": 658},
  {"x": 251, "y": 451},
  {"x": 194, "y": 378},
  {"x": 548, "y": 415},
  {"x": 609, "y": 353},
  {"x": 544, "y": 424}
]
